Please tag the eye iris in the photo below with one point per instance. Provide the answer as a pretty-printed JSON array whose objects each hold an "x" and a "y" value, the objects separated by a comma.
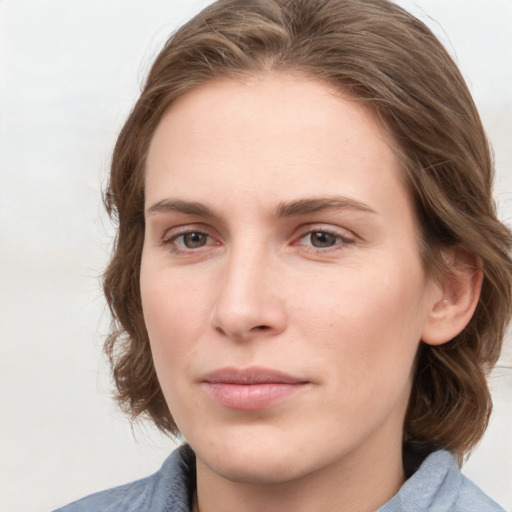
[
  {"x": 323, "y": 239},
  {"x": 194, "y": 240}
]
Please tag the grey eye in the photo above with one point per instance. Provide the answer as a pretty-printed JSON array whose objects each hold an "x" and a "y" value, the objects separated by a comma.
[
  {"x": 194, "y": 240},
  {"x": 323, "y": 239}
]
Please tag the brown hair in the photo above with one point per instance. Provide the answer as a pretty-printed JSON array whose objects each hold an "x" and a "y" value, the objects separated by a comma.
[{"x": 383, "y": 56}]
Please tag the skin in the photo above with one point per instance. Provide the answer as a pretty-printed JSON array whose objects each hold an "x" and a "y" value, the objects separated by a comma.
[{"x": 239, "y": 278}]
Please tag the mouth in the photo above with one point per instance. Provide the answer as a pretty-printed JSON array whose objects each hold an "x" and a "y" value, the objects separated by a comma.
[{"x": 251, "y": 389}]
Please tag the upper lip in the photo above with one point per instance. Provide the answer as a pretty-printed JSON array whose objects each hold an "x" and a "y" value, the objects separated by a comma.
[{"x": 250, "y": 376}]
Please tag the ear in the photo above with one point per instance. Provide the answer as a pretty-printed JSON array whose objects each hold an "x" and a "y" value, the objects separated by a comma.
[{"x": 456, "y": 297}]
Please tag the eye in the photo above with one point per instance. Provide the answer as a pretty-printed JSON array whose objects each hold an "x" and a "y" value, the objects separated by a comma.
[
  {"x": 187, "y": 241},
  {"x": 321, "y": 240},
  {"x": 192, "y": 240}
]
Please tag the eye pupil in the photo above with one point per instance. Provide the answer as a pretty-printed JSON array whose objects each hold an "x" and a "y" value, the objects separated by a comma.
[
  {"x": 194, "y": 240},
  {"x": 323, "y": 239}
]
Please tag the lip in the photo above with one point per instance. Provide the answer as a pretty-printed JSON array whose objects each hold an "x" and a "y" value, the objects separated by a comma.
[{"x": 251, "y": 389}]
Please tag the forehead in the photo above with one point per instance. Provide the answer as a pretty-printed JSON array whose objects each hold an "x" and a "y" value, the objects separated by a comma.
[
  {"x": 264, "y": 105},
  {"x": 273, "y": 135}
]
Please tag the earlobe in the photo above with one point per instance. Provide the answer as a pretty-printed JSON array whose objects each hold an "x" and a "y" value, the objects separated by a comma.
[{"x": 458, "y": 294}]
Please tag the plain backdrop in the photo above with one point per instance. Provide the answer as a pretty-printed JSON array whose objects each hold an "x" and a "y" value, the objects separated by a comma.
[{"x": 69, "y": 72}]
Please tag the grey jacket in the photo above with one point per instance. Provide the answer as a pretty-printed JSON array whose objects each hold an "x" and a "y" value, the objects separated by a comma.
[{"x": 437, "y": 486}]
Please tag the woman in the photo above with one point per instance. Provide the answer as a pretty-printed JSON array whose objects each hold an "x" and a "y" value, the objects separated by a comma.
[{"x": 309, "y": 281}]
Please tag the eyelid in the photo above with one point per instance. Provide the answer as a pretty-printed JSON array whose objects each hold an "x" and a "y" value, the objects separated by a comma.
[
  {"x": 181, "y": 229},
  {"x": 347, "y": 238},
  {"x": 169, "y": 237},
  {"x": 327, "y": 228}
]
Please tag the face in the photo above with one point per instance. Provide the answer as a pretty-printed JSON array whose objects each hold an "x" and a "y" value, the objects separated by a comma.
[{"x": 281, "y": 281}]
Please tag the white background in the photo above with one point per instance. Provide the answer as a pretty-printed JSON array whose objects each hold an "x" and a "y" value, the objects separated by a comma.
[{"x": 69, "y": 72}]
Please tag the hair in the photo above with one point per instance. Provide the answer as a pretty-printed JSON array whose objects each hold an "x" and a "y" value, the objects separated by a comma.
[{"x": 384, "y": 57}]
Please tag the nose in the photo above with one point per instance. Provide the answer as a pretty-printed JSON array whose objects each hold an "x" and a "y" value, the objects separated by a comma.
[{"x": 247, "y": 303}]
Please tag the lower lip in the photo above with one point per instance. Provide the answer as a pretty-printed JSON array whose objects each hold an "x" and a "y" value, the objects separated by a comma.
[{"x": 251, "y": 397}]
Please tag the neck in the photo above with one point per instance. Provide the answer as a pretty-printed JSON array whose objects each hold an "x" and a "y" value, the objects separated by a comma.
[{"x": 361, "y": 482}]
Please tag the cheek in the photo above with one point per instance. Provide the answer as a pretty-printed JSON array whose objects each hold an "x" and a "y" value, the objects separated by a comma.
[
  {"x": 368, "y": 327},
  {"x": 173, "y": 311},
  {"x": 174, "y": 315},
  {"x": 365, "y": 299}
]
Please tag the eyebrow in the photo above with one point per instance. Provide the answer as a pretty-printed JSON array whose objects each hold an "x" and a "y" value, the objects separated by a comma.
[
  {"x": 313, "y": 205},
  {"x": 177, "y": 206},
  {"x": 284, "y": 209}
]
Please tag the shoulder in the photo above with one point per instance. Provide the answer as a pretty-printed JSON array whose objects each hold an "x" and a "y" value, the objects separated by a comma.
[
  {"x": 168, "y": 489},
  {"x": 125, "y": 498},
  {"x": 472, "y": 498},
  {"x": 439, "y": 485}
]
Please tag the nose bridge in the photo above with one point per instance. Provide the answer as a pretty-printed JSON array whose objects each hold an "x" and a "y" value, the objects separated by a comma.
[{"x": 246, "y": 301}]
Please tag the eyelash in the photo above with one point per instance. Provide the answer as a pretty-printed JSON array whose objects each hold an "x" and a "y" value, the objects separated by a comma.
[
  {"x": 170, "y": 241},
  {"x": 341, "y": 241}
]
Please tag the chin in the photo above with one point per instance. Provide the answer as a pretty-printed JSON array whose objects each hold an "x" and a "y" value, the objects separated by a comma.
[
  {"x": 261, "y": 457},
  {"x": 260, "y": 467}
]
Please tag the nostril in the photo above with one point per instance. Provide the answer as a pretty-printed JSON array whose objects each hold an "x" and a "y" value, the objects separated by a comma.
[{"x": 220, "y": 330}]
